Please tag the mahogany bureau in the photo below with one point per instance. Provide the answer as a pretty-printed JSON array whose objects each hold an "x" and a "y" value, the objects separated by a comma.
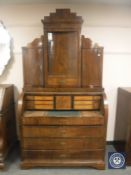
[{"x": 63, "y": 107}]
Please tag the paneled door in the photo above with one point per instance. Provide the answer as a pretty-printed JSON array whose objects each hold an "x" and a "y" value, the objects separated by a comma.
[{"x": 63, "y": 62}]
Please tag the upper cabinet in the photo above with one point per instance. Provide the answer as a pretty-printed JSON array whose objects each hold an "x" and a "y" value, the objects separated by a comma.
[
  {"x": 62, "y": 49},
  {"x": 63, "y": 61},
  {"x": 63, "y": 58}
]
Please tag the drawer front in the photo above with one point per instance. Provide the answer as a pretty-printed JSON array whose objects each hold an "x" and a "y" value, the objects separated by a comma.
[
  {"x": 87, "y": 102},
  {"x": 56, "y": 144},
  {"x": 63, "y": 103},
  {"x": 88, "y": 119},
  {"x": 94, "y": 106},
  {"x": 31, "y": 105},
  {"x": 39, "y": 97},
  {"x": 63, "y": 154},
  {"x": 63, "y": 131},
  {"x": 87, "y": 97}
]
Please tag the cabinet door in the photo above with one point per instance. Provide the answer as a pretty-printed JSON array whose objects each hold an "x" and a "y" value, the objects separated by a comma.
[
  {"x": 63, "y": 63},
  {"x": 33, "y": 67},
  {"x": 92, "y": 67}
]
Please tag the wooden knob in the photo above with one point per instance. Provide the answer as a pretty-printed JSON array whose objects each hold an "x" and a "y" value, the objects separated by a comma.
[
  {"x": 63, "y": 143},
  {"x": 63, "y": 131},
  {"x": 63, "y": 155},
  {"x": 62, "y": 82}
]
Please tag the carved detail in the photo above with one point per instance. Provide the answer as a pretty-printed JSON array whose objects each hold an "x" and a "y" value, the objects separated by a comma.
[
  {"x": 62, "y": 20},
  {"x": 37, "y": 42},
  {"x": 86, "y": 43}
]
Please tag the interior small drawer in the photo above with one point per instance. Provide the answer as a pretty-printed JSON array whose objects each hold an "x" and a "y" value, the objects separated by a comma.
[
  {"x": 87, "y": 97},
  {"x": 87, "y": 102},
  {"x": 39, "y": 102},
  {"x": 31, "y": 105},
  {"x": 39, "y": 97}
]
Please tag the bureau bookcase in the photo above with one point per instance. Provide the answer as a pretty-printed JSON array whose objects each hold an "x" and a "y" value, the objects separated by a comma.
[{"x": 63, "y": 107}]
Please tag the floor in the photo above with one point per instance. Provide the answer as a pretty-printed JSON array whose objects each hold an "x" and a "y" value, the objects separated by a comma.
[{"x": 13, "y": 168}]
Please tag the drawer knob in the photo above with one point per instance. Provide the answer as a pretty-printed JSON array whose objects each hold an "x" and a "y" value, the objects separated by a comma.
[
  {"x": 63, "y": 143},
  {"x": 63, "y": 155},
  {"x": 62, "y": 82},
  {"x": 63, "y": 131}
]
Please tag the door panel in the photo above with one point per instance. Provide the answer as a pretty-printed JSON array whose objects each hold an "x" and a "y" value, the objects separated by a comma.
[
  {"x": 91, "y": 68},
  {"x": 33, "y": 67},
  {"x": 63, "y": 60}
]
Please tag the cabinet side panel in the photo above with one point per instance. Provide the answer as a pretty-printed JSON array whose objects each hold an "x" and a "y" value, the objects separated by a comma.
[
  {"x": 91, "y": 68},
  {"x": 33, "y": 67}
]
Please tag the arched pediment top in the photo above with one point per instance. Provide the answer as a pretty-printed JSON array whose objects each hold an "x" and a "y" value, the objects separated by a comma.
[{"x": 37, "y": 42}]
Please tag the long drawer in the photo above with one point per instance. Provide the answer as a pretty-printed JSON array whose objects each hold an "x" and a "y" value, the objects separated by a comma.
[
  {"x": 62, "y": 143},
  {"x": 62, "y": 102},
  {"x": 62, "y": 131},
  {"x": 63, "y": 154}
]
